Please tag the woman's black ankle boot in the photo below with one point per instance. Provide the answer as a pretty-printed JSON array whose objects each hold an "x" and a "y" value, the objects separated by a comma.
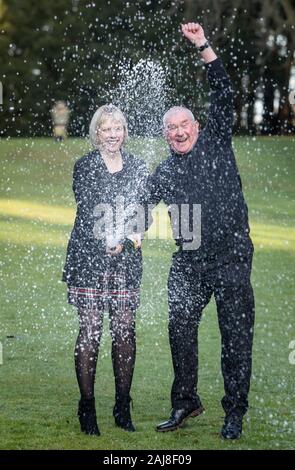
[
  {"x": 122, "y": 414},
  {"x": 87, "y": 417}
]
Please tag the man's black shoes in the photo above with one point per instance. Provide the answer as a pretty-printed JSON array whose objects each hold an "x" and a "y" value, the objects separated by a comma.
[
  {"x": 232, "y": 427},
  {"x": 178, "y": 418}
]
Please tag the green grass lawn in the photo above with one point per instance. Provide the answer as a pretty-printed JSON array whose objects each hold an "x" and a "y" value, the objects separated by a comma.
[{"x": 38, "y": 387}]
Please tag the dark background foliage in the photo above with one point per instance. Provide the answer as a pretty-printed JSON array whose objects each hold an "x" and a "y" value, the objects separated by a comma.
[{"x": 71, "y": 49}]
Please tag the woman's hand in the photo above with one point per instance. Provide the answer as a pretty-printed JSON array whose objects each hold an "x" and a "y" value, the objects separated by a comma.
[
  {"x": 116, "y": 250},
  {"x": 136, "y": 238}
]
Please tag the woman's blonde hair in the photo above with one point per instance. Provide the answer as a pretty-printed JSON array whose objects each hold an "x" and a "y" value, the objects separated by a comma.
[{"x": 104, "y": 112}]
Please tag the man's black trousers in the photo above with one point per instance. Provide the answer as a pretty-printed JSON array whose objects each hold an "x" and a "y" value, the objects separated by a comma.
[{"x": 190, "y": 287}]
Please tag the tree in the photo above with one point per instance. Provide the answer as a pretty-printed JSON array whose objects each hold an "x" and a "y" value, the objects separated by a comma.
[{"x": 72, "y": 50}]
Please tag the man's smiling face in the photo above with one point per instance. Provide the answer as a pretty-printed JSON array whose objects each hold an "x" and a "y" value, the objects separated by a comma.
[{"x": 181, "y": 131}]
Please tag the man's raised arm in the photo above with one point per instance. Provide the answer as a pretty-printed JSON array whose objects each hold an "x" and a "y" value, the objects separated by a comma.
[
  {"x": 220, "y": 118},
  {"x": 195, "y": 34}
]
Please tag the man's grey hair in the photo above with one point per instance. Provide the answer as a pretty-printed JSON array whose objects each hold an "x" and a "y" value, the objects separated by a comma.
[
  {"x": 174, "y": 110},
  {"x": 102, "y": 114}
]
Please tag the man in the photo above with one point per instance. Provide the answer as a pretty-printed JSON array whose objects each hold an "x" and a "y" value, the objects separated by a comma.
[{"x": 201, "y": 170}]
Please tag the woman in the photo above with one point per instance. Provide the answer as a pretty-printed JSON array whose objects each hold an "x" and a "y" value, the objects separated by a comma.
[{"x": 100, "y": 271}]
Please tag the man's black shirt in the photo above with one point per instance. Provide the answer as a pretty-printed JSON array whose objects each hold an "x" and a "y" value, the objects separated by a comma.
[{"x": 208, "y": 176}]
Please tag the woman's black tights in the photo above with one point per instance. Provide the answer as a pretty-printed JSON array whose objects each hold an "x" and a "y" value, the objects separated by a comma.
[{"x": 122, "y": 328}]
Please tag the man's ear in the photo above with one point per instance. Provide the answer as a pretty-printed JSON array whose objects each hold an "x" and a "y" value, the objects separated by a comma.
[{"x": 165, "y": 134}]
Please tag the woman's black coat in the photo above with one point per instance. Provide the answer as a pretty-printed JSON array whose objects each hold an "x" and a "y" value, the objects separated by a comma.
[{"x": 93, "y": 184}]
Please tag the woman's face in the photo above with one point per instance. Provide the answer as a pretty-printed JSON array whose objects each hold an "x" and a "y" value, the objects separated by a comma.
[{"x": 110, "y": 135}]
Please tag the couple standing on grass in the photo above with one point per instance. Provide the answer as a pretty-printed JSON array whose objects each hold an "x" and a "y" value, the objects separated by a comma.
[{"x": 105, "y": 274}]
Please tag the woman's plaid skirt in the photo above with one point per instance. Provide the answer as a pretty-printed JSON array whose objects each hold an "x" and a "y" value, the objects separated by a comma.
[{"x": 110, "y": 293}]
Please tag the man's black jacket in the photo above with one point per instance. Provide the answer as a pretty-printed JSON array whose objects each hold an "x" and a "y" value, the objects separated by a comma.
[{"x": 208, "y": 176}]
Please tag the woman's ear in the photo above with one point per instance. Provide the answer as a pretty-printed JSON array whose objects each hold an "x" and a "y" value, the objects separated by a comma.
[
  {"x": 165, "y": 133},
  {"x": 96, "y": 133}
]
